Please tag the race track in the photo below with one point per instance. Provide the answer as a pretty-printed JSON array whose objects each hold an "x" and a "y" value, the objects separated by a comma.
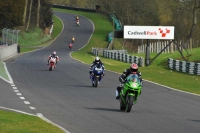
[{"x": 66, "y": 96}]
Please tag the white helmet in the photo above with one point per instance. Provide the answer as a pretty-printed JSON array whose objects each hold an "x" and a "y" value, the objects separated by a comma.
[{"x": 97, "y": 59}]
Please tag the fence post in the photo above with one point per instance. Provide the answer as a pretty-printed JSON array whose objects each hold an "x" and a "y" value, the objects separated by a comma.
[
  {"x": 7, "y": 37},
  {"x": 17, "y": 35}
]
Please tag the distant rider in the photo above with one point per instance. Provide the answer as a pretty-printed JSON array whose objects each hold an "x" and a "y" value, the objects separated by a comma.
[
  {"x": 96, "y": 61},
  {"x": 73, "y": 39},
  {"x": 77, "y": 21},
  {"x": 76, "y": 17},
  {"x": 70, "y": 44},
  {"x": 132, "y": 70},
  {"x": 53, "y": 55}
]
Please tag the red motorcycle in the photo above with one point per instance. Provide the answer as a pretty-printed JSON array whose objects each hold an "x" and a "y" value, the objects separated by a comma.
[
  {"x": 70, "y": 46},
  {"x": 52, "y": 63}
]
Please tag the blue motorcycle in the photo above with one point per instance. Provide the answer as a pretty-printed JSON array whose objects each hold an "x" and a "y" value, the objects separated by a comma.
[{"x": 97, "y": 74}]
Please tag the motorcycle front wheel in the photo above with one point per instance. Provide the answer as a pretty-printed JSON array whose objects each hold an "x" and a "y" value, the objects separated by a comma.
[
  {"x": 129, "y": 103},
  {"x": 50, "y": 68},
  {"x": 122, "y": 105},
  {"x": 96, "y": 81}
]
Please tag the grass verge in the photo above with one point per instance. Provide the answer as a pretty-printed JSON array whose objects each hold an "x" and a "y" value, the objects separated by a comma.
[
  {"x": 33, "y": 39},
  {"x": 157, "y": 72},
  {"x": 11, "y": 122}
]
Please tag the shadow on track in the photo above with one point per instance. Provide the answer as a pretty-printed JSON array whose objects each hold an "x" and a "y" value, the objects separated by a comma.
[
  {"x": 43, "y": 70},
  {"x": 195, "y": 120},
  {"x": 105, "y": 109},
  {"x": 80, "y": 85}
]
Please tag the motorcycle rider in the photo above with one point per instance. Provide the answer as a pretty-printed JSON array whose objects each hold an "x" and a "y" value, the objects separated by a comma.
[
  {"x": 96, "y": 61},
  {"x": 73, "y": 39},
  {"x": 77, "y": 22},
  {"x": 132, "y": 70},
  {"x": 70, "y": 44},
  {"x": 53, "y": 55},
  {"x": 76, "y": 17}
]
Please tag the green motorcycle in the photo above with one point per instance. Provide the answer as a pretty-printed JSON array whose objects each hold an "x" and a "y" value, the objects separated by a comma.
[{"x": 130, "y": 92}]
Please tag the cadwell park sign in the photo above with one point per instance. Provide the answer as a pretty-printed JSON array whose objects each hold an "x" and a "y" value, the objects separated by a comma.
[{"x": 149, "y": 32}]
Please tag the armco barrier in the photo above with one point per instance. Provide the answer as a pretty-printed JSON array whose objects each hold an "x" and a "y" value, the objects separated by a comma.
[
  {"x": 98, "y": 51},
  {"x": 184, "y": 66},
  {"x": 8, "y": 51},
  {"x": 120, "y": 55}
]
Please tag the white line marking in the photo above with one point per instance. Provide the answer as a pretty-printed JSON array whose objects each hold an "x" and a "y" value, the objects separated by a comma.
[
  {"x": 173, "y": 88},
  {"x": 14, "y": 87},
  {"x": 10, "y": 57},
  {"x": 45, "y": 119},
  {"x": 17, "y": 111},
  {"x": 19, "y": 94},
  {"x": 32, "y": 107},
  {"x": 26, "y": 102},
  {"x": 16, "y": 91},
  {"x": 21, "y": 97},
  {"x": 10, "y": 78}
]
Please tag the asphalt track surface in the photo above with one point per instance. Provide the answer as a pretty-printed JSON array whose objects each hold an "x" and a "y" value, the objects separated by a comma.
[{"x": 66, "y": 96}]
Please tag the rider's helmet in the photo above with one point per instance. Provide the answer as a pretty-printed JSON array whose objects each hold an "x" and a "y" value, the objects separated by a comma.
[
  {"x": 97, "y": 60},
  {"x": 54, "y": 54},
  {"x": 134, "y": 68}
]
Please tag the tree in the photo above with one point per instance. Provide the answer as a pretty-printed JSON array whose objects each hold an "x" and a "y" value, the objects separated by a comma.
[
  {"x": 38, "y": 14},
  {"x": 29, "y": 16},
  {"x": 25, "y": 11}
]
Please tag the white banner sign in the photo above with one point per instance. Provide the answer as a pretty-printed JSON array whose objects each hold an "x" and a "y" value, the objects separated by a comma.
[{"x": 149, "y": 32}]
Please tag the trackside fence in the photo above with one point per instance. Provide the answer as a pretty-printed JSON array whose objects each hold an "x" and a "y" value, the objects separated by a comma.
[{"x": 156, "y": 47}]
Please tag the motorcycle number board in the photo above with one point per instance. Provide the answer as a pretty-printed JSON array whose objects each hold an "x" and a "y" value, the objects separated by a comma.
[{"x": 149, "y": 32}]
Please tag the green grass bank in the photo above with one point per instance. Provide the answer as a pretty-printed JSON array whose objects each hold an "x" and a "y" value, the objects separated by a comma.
[{"x": 34, "y": 39}]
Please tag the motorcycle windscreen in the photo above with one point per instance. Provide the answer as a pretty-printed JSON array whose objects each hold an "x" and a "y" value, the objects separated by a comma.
[
  {"x": 133, "y": 78},
  {"x": 98, "y": 69}
]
